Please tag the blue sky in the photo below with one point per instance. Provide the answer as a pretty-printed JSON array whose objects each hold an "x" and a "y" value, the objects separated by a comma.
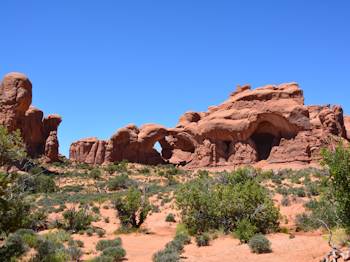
[{"x": 104, "y": 64}]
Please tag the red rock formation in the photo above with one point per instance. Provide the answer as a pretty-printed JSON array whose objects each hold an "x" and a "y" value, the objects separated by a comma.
[
  {"x": 269, "y": 123},
  {"x": 347, "y": 126},
  {"x": 16, "y": 112}
]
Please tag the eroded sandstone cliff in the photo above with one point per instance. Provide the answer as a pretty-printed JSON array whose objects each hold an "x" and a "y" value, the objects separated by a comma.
[{"x": 269, "y": 123}]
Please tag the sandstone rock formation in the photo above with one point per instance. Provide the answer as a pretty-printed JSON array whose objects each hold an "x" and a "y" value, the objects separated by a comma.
[
  {"x": 269, "y": 123},
  {"x": 16, "y": 112},
  {"x": 347, "y": 126}
]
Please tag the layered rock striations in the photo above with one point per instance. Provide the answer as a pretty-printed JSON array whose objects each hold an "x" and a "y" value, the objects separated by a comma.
[
  {"x": 16, "y": 113},
  {"x": 269, "y": 123}
]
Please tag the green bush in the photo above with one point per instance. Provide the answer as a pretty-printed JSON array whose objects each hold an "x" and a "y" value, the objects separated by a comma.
[
  {"x": 117, "y": 253},
  {"x": 120, "y": 182},
  {"x": 305, "y": 222},
  {"x": 172, "y": 250},
  {"x": 37, "y": 183},
  {"x": 203, "y": 240},
  {"x": 15, "y": 209},
  {"x": 13, "y": 248},
  {"x": 49, "y": 251},
  {"x": 12, "y": 148},
  {"x": 102, "y": 259},
  {"x": 28, "y": 236},
  {"x": 75, "y": 253},
  {"x": 245, "y": 230},
  {"x": 260, "y": 244},
  {"x": 95, "y": 173},
  {"x": 206, "y": 203},
  {"x": 338, "y": 163},
  {"x": 121, "y": 167},
  {"x": 132, "y": 208},
  {"x": 77, "y": 220},
  {"x": 103, "y": 244},
  {"x": 170, "y": 218}
]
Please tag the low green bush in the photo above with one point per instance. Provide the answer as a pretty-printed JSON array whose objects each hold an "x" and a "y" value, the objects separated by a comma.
[
  {"x": 95, "y": 173},
  {"x": 203, "y": 240},
  {"x": 13, "y": 248},
  {"x": 117, "y": 253},
  {"x": 259, "y": 244},
  {"x": 77, "y": 220},
  {"x": 245, "y": 230},
  {"x": 103, "y": 244},
  {"x": 170, "y": 218},
  {"x": 173, "y": 250},
  {"x": 120, "y": 182}
]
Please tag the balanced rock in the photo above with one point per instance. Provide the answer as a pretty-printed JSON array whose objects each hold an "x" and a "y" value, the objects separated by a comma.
[
  {"x": 269, "y": 123},
  {"x": 16, "y": 113}
]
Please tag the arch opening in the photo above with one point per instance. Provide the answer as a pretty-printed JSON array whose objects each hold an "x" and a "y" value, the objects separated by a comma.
[{"x": 264, "y": 143}]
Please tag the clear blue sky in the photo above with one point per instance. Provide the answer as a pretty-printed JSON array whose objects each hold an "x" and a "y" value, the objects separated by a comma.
[{"x": 104, "y": 64}]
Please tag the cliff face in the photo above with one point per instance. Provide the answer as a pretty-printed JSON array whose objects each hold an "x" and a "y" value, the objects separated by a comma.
[
  {"x": 269, "y": 123},
  {"x": 16, "y": 112}
]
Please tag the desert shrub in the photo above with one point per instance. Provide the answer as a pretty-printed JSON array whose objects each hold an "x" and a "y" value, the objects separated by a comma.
[
  {"x": 15, "y": 209},
  {"x": 305, "y": 222},
  {"x": 170, "y": 218},
  {"x": 166, "y": 255},
  {"x": 12, "y": 148},
  {"x": 338, "y": 163},
  {"x": 203, "y": 240},
  {"x": 57, "y": 236},
  {"x": 13, "y": 248},
  {"x": 100, "y": 232},
  {"x": 77, "y": 243},
  {"x": 121, "y": 167},
  {"x": 50, "y": 251},
  {"x": 285, "y": 201},
  {"x": 28, "y": 236},
  {"x": 102, "y": 259},
  {"x": 75, "y": 253},
  {"x": 96, "y": 210},
  {"x": 90, "y": 232},
  {"x": 173, "y": 250},
  {"x": 37, "y": 183},
  {"x": 183, "y": 238},
  {"x": 145, "y": 171},
  {"x": 207, "y": 204},
  {"x": 245, "y": 230},
  {"x": 120, "y": 182},
  {"x": 103, "y": 244},
  {"x": 95, "y": 173},
  {"x": 132, "y": 208},
  {"x": 117, "y": 253},
  {"x": 260, "y": 244},
  {"x": 77, "y": 220},
  {"x": 313, "y": 188}
]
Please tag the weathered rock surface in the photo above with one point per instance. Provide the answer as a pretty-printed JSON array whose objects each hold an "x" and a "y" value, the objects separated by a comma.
[
  {"x": 16, "y": 112},
  {"x": 347, "y": 126},
  {"x": 269, "y": 123}
]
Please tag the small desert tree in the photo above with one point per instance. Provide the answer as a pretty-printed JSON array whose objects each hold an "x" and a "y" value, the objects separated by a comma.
[
  {"x": 11, "y": 146},
  {"x": 338, "y": 163},
  {"x": 132, "y": 208}
]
